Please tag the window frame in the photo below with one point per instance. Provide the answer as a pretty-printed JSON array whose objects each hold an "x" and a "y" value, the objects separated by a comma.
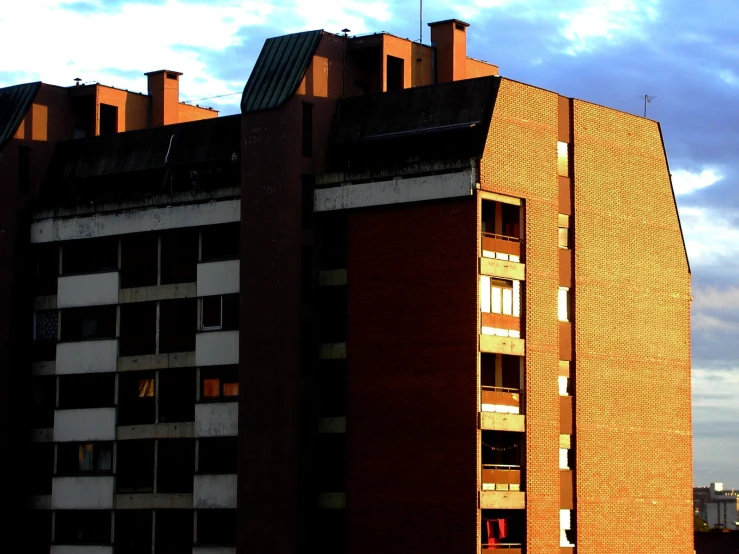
[{"x": 225, "y": 375}]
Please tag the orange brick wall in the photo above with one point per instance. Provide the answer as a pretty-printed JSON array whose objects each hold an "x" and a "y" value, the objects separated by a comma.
[
  {"x": 633, "y": 419},
  {"x": 520, "y": 160}
]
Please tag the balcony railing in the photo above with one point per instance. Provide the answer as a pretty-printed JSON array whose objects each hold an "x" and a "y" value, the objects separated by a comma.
[
  {"x": 508, "y": 547},
  {"x": 501, "y": 400},
  {"x": 501, "y": 244},
  {"x": 501, "y": 477}
]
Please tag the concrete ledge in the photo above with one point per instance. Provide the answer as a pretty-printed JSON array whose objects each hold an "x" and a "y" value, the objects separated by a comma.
[
  {"x": 157, "y": 292},
  {"x": 502, "y": 345},
  {"x": 214, "y": 550},
  {"x": 90, "y": 289},
  {"x": 41, "y": 303},
  {"x": 214, "y": 491},
  {"x": 42, "y": 435},
  {"x": 217, "y": 419},
  {"x": 491, "y": 421},
  {"x": 335, "y": 351},
  {"x": 76, "y": 493},
  {"x": 502, "y": 500},
  {"x": 158, "y": 501},
  {"x": 96, "y": 424},
  {"x": 88, "y": 356},
  {"x": 41, "y": 502},
  {"x": 80, "y": 549},
  {"x": 332, "y": 425},
  {"x": 218, "y": 277},
  {"x": 156, "y": 361},
  {"x": 332, "y": 278},
  {"x": 44, "y": 368},
  {"x": 332, "y": 500},
  {"x": 217, "y": 348},
  {"x": 503, "y": 269},
  {"x": 180, "y": 430}
]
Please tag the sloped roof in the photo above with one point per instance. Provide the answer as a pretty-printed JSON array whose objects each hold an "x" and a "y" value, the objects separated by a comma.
[
  {"x": 435, "y": 122},
  {"x": 14, "y": 103},
  {"x": 281, "y": 65}
]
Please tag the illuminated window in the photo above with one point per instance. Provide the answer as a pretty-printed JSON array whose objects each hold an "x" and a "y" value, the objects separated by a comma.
[
  {"x": 564, "y": 458},
  {"x": 500, "y": 297},
  {"x": 563, "y": 159},
  {"x": 564, "y": 237},
  {"x": 563, "y": 383},
  {"x": 563, "y": 304},
  {"x": 219, "y": 383}
]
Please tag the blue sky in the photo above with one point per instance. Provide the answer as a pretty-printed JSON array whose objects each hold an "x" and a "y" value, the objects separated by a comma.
[{"x": 612, "y": 52}]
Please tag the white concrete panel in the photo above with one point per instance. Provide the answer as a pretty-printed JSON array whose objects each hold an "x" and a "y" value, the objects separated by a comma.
[
  {"x": 91, "y": 289},
  {"x": 97, "y": 424},
  {"x": 218, "y": 277},
  {"x": 217, "y": 348},
  {"x": 395, "y": 191},
  {"x": 80, "y": 549},
  {"x": 87, "y": 356},
  {"x": 217, "y": 419},
  {"x": 214, "y": 550},
  {"x": 135, "y": 221},
  {"x": 78, "y": 493},
  {"x": 214, "y": 491}
]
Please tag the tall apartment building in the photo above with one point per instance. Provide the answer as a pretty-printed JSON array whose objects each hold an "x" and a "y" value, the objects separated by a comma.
[
  {"x": 399, "y": 302},
  {"x": 718, "y": 507}
]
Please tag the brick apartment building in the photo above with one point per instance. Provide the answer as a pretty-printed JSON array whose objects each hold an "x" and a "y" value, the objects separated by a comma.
[{"x": 399, "y": 302}]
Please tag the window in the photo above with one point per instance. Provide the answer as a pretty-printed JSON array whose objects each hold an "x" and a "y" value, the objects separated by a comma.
[
  {"x": 175, "y": 465},
  {"x": 218, "y": 455},
  {"x": 219, "y": 313},
  {"x": 179, "y": 257},
  {"x": 563, "y": 159},
  {"x": 135, "y": 466},
  {"x": 108, "y": 119},
  {"x": 177, "y": 395},
  {"x": 44, "y": 401},
  {"x": 136, "y": 399},
  {"x": 332, "y": 309},
  {"x": 24, "y": 169},
  {"x": 47, "y": 269},
  {"x": 221, "y": 242},
  {"x": 308, "y": 185},
  {"x": 563, "y": 304},
  {"x": 395, "y": 75},
  {"x": 563, "y": 384},
  {"x": 177, "y": 325},
  {"x": 564, "y": 237},
  {"x": 89, "y": 323},
  {"x": 217, "y": 527},
  {"x": 173, "y": 531},
  {"x": 90, "y": 256},
  {"x": 90, "y": 390},
  {"x": 133, "y": 531},
  {"x": 138, "y": 329},
  {"x": 139, "y": 260},
  {"x": 564, "y": 458},
  {"x": 219, "y": 383},
  {"x": 84, "y": 458},
  {"x": 307, "y": 130},
  {"x": 82, "y": 527},
  {"x": 500, "y": 297},
  {"x": 331, "y": 462},
  {"x": 40, "y": 462}
]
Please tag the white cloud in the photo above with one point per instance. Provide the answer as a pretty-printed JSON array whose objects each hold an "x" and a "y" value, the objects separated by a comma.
[
  {"x": 686, "y": 182},
  {"x": 717, "y": 299},
  {"x": 729, "y": 77},
  {"x": 709, "y": 237}
]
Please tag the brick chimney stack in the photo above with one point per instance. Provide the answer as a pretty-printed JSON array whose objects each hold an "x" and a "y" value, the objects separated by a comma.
[
  {"x": 450, "y": 39},
  {"x": 164, "y": 89}
]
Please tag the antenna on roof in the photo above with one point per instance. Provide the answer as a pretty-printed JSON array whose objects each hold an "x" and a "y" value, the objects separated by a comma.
[
  {"x": 420, "y": 23},
  {"x": 77, "y": 81},
  {"x": 647, "y": 100}
]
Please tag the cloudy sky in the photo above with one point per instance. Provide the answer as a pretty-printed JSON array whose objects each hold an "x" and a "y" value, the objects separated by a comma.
[{"x": 684, "y": 54}]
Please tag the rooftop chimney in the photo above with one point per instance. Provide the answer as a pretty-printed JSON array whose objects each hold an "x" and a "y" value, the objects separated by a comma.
[
  {"x": 164, "y": 89},
  {"x": 450, "y": 39}
]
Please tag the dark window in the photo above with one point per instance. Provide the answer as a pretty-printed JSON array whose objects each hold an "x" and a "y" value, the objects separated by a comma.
[
  {"x": 136, "y": 399},
  {"x": 179, "y": 256},
  {"x": 501, "y": 448},
  {"x": 139, "y": 258},
  {"x": 138, "y": 330},
  {"x": 177, "y": 395},
  {"x": 331, "y": 531},
  {"x": 332, "y": 388},
  {"x": 24, "y": 169},
  {"x": 217, "y": 527},
  {"x": 177, "y": 325},
  {"x": 332, "y": 308},
  {"x": 308, "y": 185},
  {"x": 89, "y": 255},
  {"x": 217, "y": 455},
  {"x": 220, "y": 313},
  {"x": 219, "y": 383},
  {"x": 41, "y": 467},
  {"x": 44, "y": 402},
  {"x": 91, "y": 390},
  {"x": 135, "y": 466},
  {"x": 307, "y": 130},
  {"x": 45, "y": 331},
  {"x": 306, "y": 274},
  {"x": 47, "y": 269},
  {"x": 175, "y": 465},
  {"x": 84, "y": 458},
  {"x": 92, "y": 322},
  {"x": 173, "y": 531},
  {"x": 82, "y": 527},
  {"x": 331, "y": 462},
  {"x": 221, "y": 242},
  {"x": 395, "y": 68},
  {"x": 515, "y": 526},
  {"x": 133, "y": 531},
  {"x": 333, "y": 241},
  {"x": 40, "y": 539},
  {"x": 108, "y": 119}
]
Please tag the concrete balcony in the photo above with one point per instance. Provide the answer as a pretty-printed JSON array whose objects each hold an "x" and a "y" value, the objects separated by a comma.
[
  {"x": 82, "y": 493},
  {"x": 501, "y": 247},
  {"x": 80, "y": 549},
  {"x": 491, "y": 344},
  {"x": 217, "y": 419},
  {"x": 97, "y": 424},
  {"x": 87, "y": 356},
  {"x": 90, "y": 289},
  {"x": 502, "y": 500},
  {"x": 500, "y": 400},
  {"x": 503, "y": 269},
  {"x": 153, "y": 501},
  {"x": 217, "y": 348},
  {"x": 214, "y": 550},
  {"x": 214, "y": 491},
  {"x": 497, "y": 477},
  {"x": 220, "y": 277},
  {"x": 491, "y": 421}
]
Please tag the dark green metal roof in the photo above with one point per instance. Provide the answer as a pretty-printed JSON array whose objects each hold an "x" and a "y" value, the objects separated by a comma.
[
  {"x": 281, "y": 65},
  {"x": 14, "y": 103}
]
